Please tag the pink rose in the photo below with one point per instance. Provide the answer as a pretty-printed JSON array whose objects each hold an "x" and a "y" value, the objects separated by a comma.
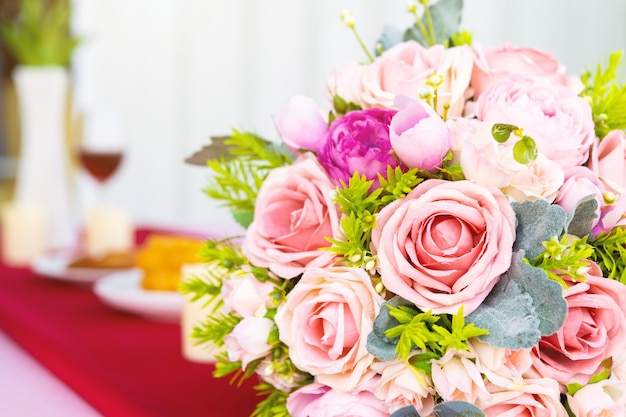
[
  {"x": 608, "y": 161},
  {"x": 404, "y": 68},
  {"x": 248, "y": 340},
  {"x": 300, "y": 124},
  {"x": 554, "y": 116},
  {"x": 400, "y": 385},
  {"x": 494, "y": 64},
  {"x": 418, "y": 135},
  {"x": 294, "y": 213},
  {"x": 317, "y": 400},
  {"x": 605, "y": 398},
  {"x": 457, "y": 378},
  {"x": 534, "y": 398},
  {"x": 580, "y": 182},
  {"x": 500, "y": 366},
  {"x": 594, "y": 329},
  {"x": 245, "y": 295},
  {"x": 445, "y": 244},
  {"x": 325, "y": 322}
]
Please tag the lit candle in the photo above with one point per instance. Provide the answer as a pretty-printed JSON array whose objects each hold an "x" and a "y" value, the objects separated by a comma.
[
  {"x": 194, "y": 313},
  {"x": 109, "y": 229},
  {"x": 24, "y": 233}
]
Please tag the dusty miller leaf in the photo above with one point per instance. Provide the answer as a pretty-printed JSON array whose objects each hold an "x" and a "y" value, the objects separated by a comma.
[
  {"x": 457, "y": 409},
  {"x": 508, "y": 314},
  {"x": 580, "y": 219},
  {"x": 537, "y": 222},
  {"x": 524, "y": 305},
  {"x": 408, "y": 411}
]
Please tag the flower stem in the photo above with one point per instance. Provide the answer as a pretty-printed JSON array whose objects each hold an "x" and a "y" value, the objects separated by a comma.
[
  {"x": 358, "y": 38},
  {"x": 431, "y": 29}
]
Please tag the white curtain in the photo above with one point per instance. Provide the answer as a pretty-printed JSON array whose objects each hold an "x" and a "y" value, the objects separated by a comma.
[{"x": 180, "y": 71}]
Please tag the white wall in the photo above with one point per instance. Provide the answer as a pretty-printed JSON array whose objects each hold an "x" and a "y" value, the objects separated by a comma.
[{"x": 179, "y": 71}]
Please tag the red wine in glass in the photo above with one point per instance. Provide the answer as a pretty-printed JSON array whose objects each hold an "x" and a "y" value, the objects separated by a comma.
[{"x": 101, "y": 165}]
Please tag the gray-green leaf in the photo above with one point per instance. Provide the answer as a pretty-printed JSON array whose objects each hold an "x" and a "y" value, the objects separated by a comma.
[
  {"x": 457, "y": 409},
  {"x": 524, "y": 305},
  {"x": 580, "y": 219},
  {"x": 537, "y": 222}
]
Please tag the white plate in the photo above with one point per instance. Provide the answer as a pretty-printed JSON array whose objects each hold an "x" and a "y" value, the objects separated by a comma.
[
  {"x": 122, "y": 290},
  {"x": 55, "y": 266}
]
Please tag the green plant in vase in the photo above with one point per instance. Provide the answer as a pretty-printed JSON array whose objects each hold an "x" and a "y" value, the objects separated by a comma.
[{"x": 40, "y": 34}]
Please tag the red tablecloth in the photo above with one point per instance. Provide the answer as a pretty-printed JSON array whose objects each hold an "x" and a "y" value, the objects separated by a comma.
[{"x": 121, "y": 364}]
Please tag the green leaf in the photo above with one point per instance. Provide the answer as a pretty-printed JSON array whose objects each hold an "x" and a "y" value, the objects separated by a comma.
[
  {"x": 525, "y": 150},
  {"x": 457, "y": 409},
  {"x": 501, "y": 132},
  {"x": 243, "y": 217},
  {"x": 446, "y": 19}
]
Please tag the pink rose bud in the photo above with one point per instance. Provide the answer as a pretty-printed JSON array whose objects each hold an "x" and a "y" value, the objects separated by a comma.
[
  {"x": 419, "y": 136},
  {"x": 300, "y": 124}
]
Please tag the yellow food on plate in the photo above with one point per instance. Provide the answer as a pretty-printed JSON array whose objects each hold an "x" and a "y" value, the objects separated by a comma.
[
  {"x": 161, "y": 258},
  {"x": 112, "y": 260}
]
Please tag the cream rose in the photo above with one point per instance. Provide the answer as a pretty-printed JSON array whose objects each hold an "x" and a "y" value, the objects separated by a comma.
[
  {"x": 445, "y": 244},
  {"x": 605, "y": 398},
  {"x": 293, "y": 216},
  {"x": 533, "y": 398},
  {"x": 325, "y": 322},
  {"x": 400, "y": 385}
]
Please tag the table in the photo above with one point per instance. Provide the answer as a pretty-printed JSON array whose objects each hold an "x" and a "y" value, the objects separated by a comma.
[{"x": 120, "y": 364}]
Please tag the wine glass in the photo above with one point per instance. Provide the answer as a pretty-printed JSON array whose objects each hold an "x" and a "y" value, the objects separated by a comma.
[{"x": 100, "y": 151}]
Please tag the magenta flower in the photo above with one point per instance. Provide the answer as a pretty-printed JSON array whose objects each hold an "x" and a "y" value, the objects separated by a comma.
[{"x": 358, "y": 142}]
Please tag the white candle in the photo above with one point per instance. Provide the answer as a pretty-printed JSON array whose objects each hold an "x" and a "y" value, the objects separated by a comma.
[
  {"x": 194, "y": 313},
  {"x": 24, "y": 233},
  {"x": 109, "y": 229}
]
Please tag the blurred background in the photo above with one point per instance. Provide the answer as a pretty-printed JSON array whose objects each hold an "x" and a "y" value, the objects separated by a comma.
[{"x": 168, "y": 74}]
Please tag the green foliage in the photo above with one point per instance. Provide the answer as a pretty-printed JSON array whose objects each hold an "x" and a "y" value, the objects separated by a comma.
[
  {"x": 360, "y": 207},
  {"x": 213, "y": 330},
  {"x": 239, "y": 175},
  {"x": 606, "y": 96},
  {"x": 432, "y": 334},
  {"x": 40, "y": 35},
  {"x": 610, "y": 252},
  {"x": 565, "y": 257},
  {"x": 274, "y": 404},
  {"x": 398, "y": 184}
]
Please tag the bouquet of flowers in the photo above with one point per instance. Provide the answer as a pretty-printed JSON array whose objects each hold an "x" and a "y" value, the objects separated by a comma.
[{"x": 445, "y": 238}]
